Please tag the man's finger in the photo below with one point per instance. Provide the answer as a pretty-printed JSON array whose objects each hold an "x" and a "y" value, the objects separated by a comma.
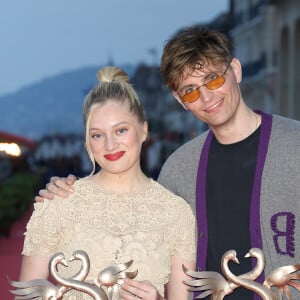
[
  {"x": 53, "y": 179},
  {"x": 64, "y": 183},
  {"x": 58, "y": 185},
  {"x": 58, "y": 191},
  {"x": 71, "y": 179},
  {"x": 46, "y": 194},
  {"x": 38, "y": 199}
]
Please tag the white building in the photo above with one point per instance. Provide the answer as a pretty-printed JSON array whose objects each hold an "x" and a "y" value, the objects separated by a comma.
[{"x": 266, "y": 38}]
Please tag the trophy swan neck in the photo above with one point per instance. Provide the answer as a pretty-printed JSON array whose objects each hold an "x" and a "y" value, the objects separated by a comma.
[
  {"x": 264, "y": 292},
  {"x": 260, "y": 264},
  {"x": 85, "y": 264},
  {"x": 75, "y": 283}
]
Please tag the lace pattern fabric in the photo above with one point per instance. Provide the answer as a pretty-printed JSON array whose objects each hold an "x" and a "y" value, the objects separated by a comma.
[{"x": 147, "y": 227}]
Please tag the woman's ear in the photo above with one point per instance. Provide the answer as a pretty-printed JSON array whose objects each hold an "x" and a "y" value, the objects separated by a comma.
[
  {"x": 237, "y": 69},
  {"x": 145, "y": 131},
  {"x": 176, "y": 96}
]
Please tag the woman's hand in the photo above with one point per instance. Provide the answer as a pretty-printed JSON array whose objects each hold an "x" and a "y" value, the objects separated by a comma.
[
  {"x": 133, "y": 290},
  {"x": 59, "y": 186}
]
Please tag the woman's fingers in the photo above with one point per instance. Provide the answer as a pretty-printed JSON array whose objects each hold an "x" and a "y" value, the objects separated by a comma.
[{"x": 133, "y": 289}]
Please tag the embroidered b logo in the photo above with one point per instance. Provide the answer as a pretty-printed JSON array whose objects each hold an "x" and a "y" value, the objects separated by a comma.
[{"x": 283, "y": 225}]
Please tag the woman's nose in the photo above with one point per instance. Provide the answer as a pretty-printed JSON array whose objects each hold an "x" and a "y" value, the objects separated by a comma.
[{"x": 110, "y": 143}]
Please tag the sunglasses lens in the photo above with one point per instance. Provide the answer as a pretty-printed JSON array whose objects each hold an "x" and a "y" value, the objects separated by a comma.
[
  {"x": 216, "y": 83},
  {"x": 212, "y": 85},
  {"x": 191, "y": 97}
]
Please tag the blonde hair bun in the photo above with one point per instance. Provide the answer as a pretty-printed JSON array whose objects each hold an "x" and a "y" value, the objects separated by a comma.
[{"x": 109, "y": 74}]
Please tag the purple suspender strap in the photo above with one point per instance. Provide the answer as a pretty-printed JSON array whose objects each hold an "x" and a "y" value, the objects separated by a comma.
[
  {"x": 201, "y": 205},
  {"x": 255, "y": 230}
]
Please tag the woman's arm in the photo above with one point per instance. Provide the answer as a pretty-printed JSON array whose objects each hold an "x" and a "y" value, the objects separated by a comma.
[
  {"x": 176, "y": 289},
  {"x": 34, "y": 267}
]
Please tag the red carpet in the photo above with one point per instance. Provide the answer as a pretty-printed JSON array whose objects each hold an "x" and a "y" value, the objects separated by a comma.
[{"x": 10, "y": 256}]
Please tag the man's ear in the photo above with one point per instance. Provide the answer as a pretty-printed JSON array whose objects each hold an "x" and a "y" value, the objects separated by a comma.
[
  {"x": 237, "y": 69},
  {"x": 176, "y": 96}
]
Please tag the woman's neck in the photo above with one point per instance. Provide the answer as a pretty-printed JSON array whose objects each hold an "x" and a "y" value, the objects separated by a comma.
[{"x": 122, "y": 183}]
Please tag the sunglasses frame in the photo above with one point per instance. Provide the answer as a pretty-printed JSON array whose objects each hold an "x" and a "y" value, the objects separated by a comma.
[{"x": 205, "y": 84}]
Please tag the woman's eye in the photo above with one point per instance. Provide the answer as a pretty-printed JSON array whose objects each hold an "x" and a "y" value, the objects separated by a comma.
[
  {"x": 96, "y": 136},
  {"x": 122, "y": 130}
]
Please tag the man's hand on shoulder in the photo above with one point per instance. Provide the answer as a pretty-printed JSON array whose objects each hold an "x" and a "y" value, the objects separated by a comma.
[{"x": 58, "y": 186}]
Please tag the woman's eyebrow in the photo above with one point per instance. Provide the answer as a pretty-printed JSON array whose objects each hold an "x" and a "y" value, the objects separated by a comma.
[{"x": 115, "y": 125}]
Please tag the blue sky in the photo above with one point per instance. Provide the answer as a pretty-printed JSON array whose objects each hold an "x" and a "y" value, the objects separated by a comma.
[{"x": 42, "y": 38}]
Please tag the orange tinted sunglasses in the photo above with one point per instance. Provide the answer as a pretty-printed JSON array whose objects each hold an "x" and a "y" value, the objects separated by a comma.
[{"x": 193, "y": 93}]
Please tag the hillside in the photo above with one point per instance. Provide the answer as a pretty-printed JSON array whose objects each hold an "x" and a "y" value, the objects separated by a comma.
[{"x": 52, "y": 105}]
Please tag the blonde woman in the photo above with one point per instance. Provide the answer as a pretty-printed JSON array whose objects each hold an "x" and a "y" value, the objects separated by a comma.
[{"x": 116, "y": 214}]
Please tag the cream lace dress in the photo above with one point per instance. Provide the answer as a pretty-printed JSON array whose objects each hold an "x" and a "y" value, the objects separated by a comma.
[{"x": 146, "y": 227}]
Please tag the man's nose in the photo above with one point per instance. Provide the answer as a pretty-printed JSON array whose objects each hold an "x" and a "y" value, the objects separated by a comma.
[{"x": 205, "y": 94}]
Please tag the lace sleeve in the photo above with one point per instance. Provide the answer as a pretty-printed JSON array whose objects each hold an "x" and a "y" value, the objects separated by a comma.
[
  {"x": 41, "y": 234},
  {"x": 184, "y": 244}
]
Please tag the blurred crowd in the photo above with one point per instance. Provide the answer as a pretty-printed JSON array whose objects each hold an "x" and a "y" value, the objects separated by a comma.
[{"x": 60, "y": 155}]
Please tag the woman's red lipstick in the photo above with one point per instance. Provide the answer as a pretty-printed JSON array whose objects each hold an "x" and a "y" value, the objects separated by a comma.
[{"x": 114, "y": 156}]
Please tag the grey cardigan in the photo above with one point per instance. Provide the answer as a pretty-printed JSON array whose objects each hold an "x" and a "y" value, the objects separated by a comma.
[{"x": 278, "y": 196}]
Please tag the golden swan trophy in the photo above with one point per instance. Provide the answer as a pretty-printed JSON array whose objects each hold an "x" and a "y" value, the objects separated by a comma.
[
  {"x": 214, "y": 284},
  {"x": 42, "y": 289}
]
